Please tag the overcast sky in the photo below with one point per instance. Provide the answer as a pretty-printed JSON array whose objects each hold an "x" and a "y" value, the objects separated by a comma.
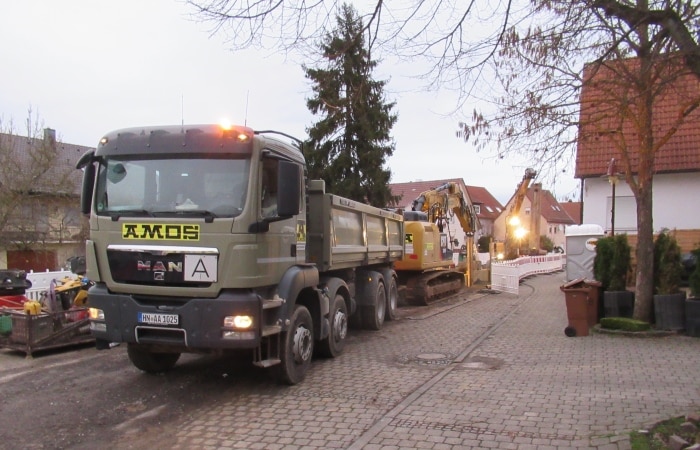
[{"x": 89, "y": 67}]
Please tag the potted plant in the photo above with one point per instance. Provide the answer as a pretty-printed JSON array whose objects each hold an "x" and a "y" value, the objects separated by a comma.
[
  {"x": 692, "y": 303},
  {"x": 610, "y": 266},
  {"x": 669, "y": 301}
]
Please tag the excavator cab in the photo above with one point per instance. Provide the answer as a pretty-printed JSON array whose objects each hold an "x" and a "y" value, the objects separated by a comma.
[
  {"x": 425, "y": 273},
  {"x": 422, "y": 247}
]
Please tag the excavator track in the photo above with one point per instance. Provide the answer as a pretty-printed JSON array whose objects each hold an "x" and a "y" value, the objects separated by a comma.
[{"x": 429, "y": 287}]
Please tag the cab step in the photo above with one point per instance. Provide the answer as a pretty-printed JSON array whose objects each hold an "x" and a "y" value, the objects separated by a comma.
[
  {"x": 269, "y": 330},
  {"x": 266, "y": 363},
  {"x": 273, "y": 303}
]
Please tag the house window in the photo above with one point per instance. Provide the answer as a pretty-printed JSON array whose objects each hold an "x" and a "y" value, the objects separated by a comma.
[
  {"x": 72, "y": 217},
  {"x": 527, "y": 211},
  {"x": 45, "y": 217},
  {"x": 477, "y": 209}
]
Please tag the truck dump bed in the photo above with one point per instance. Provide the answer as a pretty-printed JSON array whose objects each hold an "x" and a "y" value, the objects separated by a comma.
[{"x": 343, "y": 233}]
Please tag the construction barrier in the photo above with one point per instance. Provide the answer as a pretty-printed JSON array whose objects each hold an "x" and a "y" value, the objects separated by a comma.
[
  {"x": 42, "y": 280},
  {"x": 506, "y": 275}
]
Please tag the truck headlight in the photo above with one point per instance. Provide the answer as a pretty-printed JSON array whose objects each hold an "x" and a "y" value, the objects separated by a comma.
[
  {"x": 96, "y": 314},
  {"x": 238, "y": 322}
]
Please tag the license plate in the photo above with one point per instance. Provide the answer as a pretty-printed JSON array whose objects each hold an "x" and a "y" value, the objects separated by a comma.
[{"x": 159, "y": 319}]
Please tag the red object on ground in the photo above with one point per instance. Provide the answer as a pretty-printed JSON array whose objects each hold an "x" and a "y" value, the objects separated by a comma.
[{"x": 12, "y": 301}]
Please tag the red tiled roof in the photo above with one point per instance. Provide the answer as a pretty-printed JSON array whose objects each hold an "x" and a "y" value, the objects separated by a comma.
[
  {"x": 411, "y": 190},
  {"x": 477, "y": 195},
  {"x": 550, "y": 209},
  {"x": 489, "y": 207},
  {"x": 23, "y": 149},
  {"x": 573, "y": 209},
  {"x": 602, "y": 123}
]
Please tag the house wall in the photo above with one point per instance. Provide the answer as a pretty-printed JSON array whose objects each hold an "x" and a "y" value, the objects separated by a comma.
[
  {"x": 51, "y": 257},
  {"x": 486, "y": 228},
  {"x": 553, "y": 231},
  {"x": 499, "y": 226},
  {"x": 674, "y": 201}
]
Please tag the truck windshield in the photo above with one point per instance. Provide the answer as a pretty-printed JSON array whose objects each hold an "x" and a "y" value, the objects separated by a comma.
[{"x": 172, "y": 186}]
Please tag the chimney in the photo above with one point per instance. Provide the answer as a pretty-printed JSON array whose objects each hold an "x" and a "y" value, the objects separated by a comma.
[{"x": 50, "y": 137}]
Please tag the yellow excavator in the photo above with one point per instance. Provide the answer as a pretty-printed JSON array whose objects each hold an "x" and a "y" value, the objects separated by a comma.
[
  {"x": 425, "y": 273},
  {"x": 513, "y": 218}
]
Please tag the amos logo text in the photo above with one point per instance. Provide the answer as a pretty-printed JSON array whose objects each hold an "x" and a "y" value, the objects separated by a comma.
[{"x": 161, "y": 232}]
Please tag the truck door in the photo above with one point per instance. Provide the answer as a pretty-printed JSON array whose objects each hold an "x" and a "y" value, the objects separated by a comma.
[{"x": 278, "y": 246}]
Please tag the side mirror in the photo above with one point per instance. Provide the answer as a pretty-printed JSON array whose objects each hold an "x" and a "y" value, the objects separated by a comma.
[
  {"x": 86, "y": 162},
  {"x": 289, "y": 189}
]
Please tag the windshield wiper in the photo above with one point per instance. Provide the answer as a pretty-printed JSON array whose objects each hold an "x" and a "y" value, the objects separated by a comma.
[
  {"x": 208, "y": 215},
  {"x": 115, "y": 215}
]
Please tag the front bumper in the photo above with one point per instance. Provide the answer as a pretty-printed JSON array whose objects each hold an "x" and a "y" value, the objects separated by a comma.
[{"x": 200, "y": 320}]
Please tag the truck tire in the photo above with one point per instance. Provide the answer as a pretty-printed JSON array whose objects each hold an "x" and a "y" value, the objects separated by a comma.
[
  {"x": 392, "y": 296},
  {"x": 333, "y": 345},
  {"x": 374, "y": 312},
  {"x": 151, "y": 362},
  {"x": 297, "y": 347}
]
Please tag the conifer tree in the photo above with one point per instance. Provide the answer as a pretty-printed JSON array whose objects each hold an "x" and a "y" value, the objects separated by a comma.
[{"x": 349, "y": 145}]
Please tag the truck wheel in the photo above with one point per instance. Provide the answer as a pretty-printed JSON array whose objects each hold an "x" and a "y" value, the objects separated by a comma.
[
  {"x": 297, "y": 347},
  {"x": 373, "y": 314},
  {"x": 151, "y": 362},
  {"x": 333, "y": 345},
  {"x": 392, "y": 297}
]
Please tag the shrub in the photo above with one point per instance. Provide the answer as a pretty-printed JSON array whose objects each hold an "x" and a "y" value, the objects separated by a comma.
[
  {"x": 546, "y": 243},
  {"x": 694, "y": 279},
  {"x": 612, "y": 262},
  {"x": 624, "y": 324},
  {"x": 602, "y": 261},
  {"x": 667, "y": 264}
]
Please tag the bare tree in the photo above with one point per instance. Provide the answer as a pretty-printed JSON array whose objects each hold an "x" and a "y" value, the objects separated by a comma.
[
  {"x": 631, "y": 65},
  {"x": 525, "y": 62},
  {"x": 37, "y": 189}
]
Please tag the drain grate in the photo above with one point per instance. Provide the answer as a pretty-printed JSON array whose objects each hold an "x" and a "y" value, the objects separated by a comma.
[{"x": 428, "y": 359}]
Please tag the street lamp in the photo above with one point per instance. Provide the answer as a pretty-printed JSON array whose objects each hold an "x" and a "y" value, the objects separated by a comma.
[{"x": 613, "y": 179}]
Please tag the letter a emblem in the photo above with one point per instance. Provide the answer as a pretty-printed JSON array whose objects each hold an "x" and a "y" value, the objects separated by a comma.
[{"x": 200, "y": 268}]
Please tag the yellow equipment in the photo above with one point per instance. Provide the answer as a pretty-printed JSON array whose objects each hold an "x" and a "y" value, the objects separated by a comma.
[
  {"x": 443, "y": 199},
  {"x": 513, "y": 228},
  {"x": 72, "y": 291},
  {"x": 426, "y": 274}
]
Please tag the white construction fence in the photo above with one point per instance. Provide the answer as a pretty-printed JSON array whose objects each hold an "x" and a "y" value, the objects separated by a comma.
[
  {"x": 42, "y": 280},
  {"x": 506, "y": 275}
]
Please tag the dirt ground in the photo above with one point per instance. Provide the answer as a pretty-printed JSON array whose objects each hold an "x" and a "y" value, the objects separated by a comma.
[{"x": 81, "y": 398}]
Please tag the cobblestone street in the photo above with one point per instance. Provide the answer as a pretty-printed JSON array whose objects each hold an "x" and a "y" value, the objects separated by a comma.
[{"x": 477, "y": 371}]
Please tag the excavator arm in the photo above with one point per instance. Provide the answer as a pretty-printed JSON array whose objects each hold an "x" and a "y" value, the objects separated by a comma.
[
  {"x": 448, "y": 197},
  {"x": 530, "y": 174}
]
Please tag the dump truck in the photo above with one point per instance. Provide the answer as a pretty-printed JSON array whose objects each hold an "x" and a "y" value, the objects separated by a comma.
[{"x": 210, "y": 239}]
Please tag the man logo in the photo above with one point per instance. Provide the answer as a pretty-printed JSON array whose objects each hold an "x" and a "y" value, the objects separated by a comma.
[{"x": 160, "y": 232}]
